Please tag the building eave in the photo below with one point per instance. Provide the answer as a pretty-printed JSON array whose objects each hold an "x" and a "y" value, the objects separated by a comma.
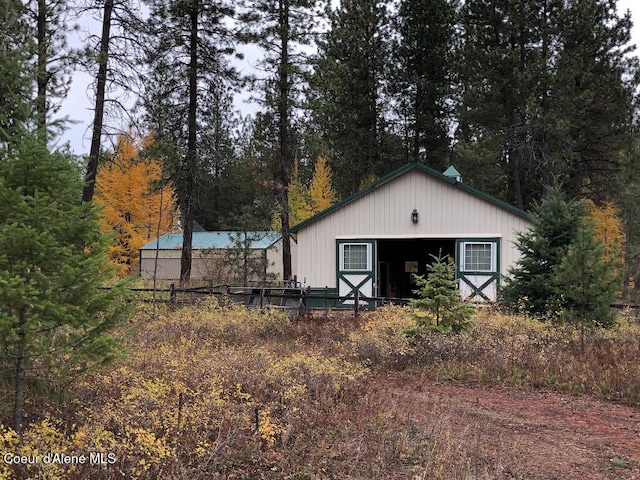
[{"x": 400, "y": 171}]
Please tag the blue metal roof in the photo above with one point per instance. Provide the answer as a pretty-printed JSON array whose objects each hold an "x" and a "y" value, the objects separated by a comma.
[{"x": 216, "y": 240}]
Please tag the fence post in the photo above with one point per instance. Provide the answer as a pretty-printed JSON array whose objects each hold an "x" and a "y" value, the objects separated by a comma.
[
  {"x": 357, "y": 302},
  {"x": 172, "y": 294}
]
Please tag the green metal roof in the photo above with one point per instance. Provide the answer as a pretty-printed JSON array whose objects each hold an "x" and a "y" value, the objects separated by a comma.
[
  {"x": 216, "y": 240},
  {"x": 400, "y": 171},
  {"x": 451, "y": 172}
]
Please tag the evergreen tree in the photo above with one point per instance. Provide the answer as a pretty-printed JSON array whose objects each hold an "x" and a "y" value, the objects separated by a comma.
[
  {"x": 594, "y": 91},
  {"x": 586, "y": 283},
  {"x": 346, "y": 88},
  {"x": 54, "y": 60},
  {"x": 282, "y": 29},
  {"x": 113, "y": 59},
  {"x": 55, "y": 318},
  {"x": 223, "y": 190},
  {"x": 15, "y": 74},
  {"x": 627, "y": 195},
  {"x": 187, "y": 43},
  {"x": 532, "y": 284},
  {"x": 546, "y": 89},
  {"x": 439, "y": 296},
  {"x": 501, "y": 69},
  {"x": 422, "y": 78}
]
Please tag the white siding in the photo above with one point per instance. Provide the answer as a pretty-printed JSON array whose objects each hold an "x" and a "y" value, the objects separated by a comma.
[
  {"x": 274, "y": 258},
  {"x": 445, "y": 211}
]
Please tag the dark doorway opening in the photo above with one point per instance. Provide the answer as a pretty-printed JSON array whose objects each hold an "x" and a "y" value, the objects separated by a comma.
[{"x": 399, "y": 259}]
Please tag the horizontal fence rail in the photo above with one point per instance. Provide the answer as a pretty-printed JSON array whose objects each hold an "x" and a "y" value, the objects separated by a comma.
[
  {"x": 288, "y": 297},
  {"x": 294, "y": 298}
]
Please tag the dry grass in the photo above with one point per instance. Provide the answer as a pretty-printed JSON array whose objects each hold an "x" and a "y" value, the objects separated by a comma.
[
  {"x": 222, "y": 392},
  {"x": 521, "y": 352}
]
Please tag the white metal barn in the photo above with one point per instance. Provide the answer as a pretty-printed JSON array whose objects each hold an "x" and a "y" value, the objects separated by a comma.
[{"x": 375, "y": 239}]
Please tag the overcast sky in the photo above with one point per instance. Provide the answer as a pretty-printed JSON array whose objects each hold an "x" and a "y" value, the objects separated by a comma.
[{"x": 78, "y": 108}]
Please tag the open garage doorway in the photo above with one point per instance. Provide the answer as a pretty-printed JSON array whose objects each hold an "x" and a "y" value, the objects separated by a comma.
[{"x": 398, "y": 259}]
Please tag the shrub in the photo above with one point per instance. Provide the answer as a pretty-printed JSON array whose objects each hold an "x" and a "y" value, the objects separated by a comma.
[
  {"x": 382, "y": 339},
  {"x": 440, "y": 299}
]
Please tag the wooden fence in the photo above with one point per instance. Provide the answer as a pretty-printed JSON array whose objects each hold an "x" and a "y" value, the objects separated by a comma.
[
  {"x": 295, "y": 298},
  {"x": 288, "y": 297}
]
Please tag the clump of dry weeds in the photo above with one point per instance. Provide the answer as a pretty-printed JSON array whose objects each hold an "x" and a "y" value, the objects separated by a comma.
[
  {"x": 513, "y": 350},
  {"x": 212, "y": 391}
]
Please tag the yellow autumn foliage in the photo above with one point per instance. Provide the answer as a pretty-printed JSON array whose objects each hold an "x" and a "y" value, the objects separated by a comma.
[
  {"x": 305, "y": 202},
  {"x": 321, "y": 189},
  {"x": 215, "y": 390},
  {"x": 133, "y": 209},
  {"x": 200, "y": 382},
  {"x": 608, "y": 228}
]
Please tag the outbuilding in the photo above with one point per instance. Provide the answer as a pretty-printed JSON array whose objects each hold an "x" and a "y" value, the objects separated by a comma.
[
  {"x": 219, "y": 256},
  {"x": 374, "y": 240}
]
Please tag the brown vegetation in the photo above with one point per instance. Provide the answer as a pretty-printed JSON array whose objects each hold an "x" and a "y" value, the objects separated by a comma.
[{"x": 222, "y": 392}]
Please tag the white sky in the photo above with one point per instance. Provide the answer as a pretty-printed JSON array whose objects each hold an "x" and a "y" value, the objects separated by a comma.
[{"x": 78, "y": 107}]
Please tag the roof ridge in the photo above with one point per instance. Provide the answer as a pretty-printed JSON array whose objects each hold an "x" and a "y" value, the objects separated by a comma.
[{"x": 398, "y": 172}]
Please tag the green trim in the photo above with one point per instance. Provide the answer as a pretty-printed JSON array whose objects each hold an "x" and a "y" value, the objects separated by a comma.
[
  {"x": 400, "y": 171},
  {"x": 452, "y": 172},
  {"x": 320, "y": 292},
  {"x": 369, "y": 274},
  {"x": 493, "y": 275},
  {"x": 496, "y": 240}
]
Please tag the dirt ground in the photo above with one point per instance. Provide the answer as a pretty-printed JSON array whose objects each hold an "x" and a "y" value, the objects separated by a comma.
[{"x": 532, "y": 434}]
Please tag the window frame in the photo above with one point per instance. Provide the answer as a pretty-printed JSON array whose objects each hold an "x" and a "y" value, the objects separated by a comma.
[
  {"x": 368, "y": 253},
  {"x": 493, "y": 260}
]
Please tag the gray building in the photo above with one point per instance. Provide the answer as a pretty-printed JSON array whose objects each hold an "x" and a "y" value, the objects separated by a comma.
[{"x": 220, "y": 256}]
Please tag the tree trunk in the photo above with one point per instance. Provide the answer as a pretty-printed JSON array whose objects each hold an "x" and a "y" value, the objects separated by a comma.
[
  {"x": 41, "y": 75},
  {"x": 190, "y": 160},
  {"x": 515, "y": 175},
  {"x": 284, "y": 88},
  {"x": 18, "y": 405},
  {"x": 96, "y": 136}
]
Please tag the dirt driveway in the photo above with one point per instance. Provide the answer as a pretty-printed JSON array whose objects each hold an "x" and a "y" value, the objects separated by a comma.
[{"x": 533, "y": 434}]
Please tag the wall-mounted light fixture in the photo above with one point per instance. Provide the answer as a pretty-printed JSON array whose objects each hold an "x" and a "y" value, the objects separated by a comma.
[{"x": 414, "y": 216}]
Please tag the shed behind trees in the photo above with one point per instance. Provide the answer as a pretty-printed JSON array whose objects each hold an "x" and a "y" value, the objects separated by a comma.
[{"x": 221, "y": 257}]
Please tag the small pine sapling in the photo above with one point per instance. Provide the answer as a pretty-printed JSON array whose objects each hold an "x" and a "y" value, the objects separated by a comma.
[
  {"x": 587, "y": 283},
  {"x": 440, "y": 299}
]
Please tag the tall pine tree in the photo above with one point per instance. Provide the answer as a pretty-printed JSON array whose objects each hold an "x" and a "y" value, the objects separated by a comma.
[
  {"x": 187, "y": 43},
  {"x": 545, "y": 95},
  {"x": 55, "y": 316},
  {"x": 282, "y": 29},
  {"x": 595, "y": 85},
  {"x": 349, "y": 73},
  {"x": 15, "y": 72},
  {"x": 422, "y": 78}
]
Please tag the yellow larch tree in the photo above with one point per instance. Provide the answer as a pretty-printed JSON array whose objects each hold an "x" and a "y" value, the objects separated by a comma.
[
  {"x": 305, "y": 202},
  {"x": 300, "y": 203},
  {"x": 134, "y": 209},
  {"x": 607, "y": 227},
  {"x": 322, "y": 193}
]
